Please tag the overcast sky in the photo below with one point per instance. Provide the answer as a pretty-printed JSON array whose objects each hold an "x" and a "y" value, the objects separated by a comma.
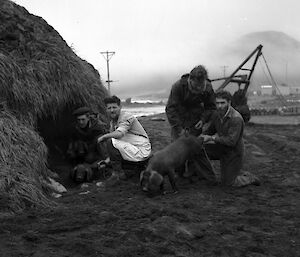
[{"x": 159, "y": 39}]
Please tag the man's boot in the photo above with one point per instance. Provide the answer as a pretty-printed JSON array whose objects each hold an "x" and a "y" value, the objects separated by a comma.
[{"x": 246, "y": 178}]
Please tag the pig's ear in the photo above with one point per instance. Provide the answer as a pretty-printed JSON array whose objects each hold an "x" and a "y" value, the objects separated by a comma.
[
  {"x": 156, "y": 178},
  {"x": 145, "y": 174}
]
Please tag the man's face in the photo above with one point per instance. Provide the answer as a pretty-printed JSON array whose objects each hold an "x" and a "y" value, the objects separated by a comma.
[
  {"x": 222, "y": 106},
  {"x": 83, "y": 120},
  {"x": 113, "y": 110},
  {"x": 195, "y": 85}
]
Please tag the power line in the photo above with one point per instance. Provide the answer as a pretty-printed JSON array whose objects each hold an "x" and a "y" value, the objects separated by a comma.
[
  {"x": 107, "y": 56},
  {"x": 274, "y": 82},
  {"x": 264, "y": 72}
]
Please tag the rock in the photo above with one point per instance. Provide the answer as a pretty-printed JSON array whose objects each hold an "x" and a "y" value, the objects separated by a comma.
[
  {"x": 99, "y": 184},
  {"x": 55, "y": 186},
  {"x": 56, "y": 195},
  {"x": 84, "y": 193},
  {"x": 84, "y": 185}
]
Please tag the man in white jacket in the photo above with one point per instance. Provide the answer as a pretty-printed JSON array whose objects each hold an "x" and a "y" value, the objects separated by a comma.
[{"x": 127, "y": 139}]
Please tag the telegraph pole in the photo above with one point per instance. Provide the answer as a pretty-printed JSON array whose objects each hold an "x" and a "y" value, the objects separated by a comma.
[
  {"x": 107, "y": 56},
  {"x": 224, "y": 67}
]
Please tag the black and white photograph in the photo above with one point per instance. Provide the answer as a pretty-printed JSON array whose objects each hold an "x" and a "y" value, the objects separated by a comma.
[{"x": 162, "y": 128}]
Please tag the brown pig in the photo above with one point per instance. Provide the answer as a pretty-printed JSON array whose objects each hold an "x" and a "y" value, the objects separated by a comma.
[{"x": 164, "y": 162}]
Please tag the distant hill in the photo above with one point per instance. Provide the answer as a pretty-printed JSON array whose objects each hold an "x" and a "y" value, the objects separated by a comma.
[
  {"x": 272, "y": 40},
  {"x": 281, "y": 51}
]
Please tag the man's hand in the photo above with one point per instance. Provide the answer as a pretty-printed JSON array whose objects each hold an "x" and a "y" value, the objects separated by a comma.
[
  {"x": 182, "y": 132},
  {"x": 206, "y": 138},
  {"x": 206, "y": 127},
  {"x": 199, "y": 124},
  {"x": 101, "y": 138}
]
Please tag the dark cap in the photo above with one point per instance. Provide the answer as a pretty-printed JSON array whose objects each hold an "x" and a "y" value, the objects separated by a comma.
[
  {"x": 198, "y": 73},
  {"x": 81, "y": 111}
]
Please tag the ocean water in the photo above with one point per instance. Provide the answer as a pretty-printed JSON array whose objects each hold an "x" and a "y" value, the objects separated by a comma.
[
  {"x": 274, "y": 119},
  {"x": 145, "y": 111}
]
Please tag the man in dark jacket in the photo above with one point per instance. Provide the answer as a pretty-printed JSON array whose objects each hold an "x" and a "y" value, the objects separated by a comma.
[
  {"x": 83, "y": 147},
  {"x": 191, "y": 104},
  {"x": 225, "y": 143}
]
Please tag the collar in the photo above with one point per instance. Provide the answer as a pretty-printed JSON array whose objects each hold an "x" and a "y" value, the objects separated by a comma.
[{"x": 229, "y": 112}]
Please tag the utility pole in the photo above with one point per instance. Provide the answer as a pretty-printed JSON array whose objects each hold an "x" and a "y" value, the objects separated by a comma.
[
  {"x": 224, "y": 67},
  {"x": 107, "y": 56},
  {"x": 286, "y": 73}
]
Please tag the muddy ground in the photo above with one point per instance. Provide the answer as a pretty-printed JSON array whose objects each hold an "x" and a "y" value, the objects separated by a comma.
[{"x": 199, "y": 221}]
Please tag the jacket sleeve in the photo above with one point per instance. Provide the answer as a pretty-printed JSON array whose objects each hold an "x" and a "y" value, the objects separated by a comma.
[
  {"x": 234, "y": 133},
  {"x": 125, "y": 123},
  {"x": 172, "y": 107},
  {"x": 99, "y": 129},
  {"x": 209, "y": 102}
]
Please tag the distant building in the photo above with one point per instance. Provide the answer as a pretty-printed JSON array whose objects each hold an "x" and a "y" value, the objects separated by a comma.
[
  {"x": 266, "y": 89},
  {"x": 279, "y": 90}
]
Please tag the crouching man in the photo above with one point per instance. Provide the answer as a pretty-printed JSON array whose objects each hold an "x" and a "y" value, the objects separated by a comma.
[
  {"x": 83, "y": 150},
  {"x": 225, "y": 143},
  {"x": 127, "y": 139},
  {"x": 83, "y": 147}
]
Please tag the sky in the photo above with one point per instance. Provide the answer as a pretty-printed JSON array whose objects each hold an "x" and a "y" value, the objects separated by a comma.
[{"x": 156, "y": 41}]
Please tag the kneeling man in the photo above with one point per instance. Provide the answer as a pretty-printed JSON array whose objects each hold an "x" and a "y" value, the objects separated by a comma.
[
  {"x": 225, "y": 143},
  {"x": 127, "y": 139}
]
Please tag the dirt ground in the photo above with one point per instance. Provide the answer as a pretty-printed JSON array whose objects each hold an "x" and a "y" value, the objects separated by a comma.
[{"x": 200, "y": 220}]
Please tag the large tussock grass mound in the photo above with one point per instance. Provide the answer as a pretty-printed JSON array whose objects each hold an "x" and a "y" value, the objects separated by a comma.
[
  {"x": 22, "y": 164},
  {"x": 41, "y": 82},
  {"x": 40, "y": 74}
]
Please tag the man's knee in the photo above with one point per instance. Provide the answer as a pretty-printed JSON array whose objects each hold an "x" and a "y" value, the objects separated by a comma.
[
  {"x": 102, "y": 149},
  {"x": 113, "y": 152},
  {"x": 230, "y": 168},
  {"x": 109, "y": 146}
]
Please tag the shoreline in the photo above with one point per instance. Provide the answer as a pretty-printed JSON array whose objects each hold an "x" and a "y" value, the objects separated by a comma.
[
  {"x": 271, "y": 120},
  {"x": 158, "y": 111},
  {"x": 135, "y": 105}
]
